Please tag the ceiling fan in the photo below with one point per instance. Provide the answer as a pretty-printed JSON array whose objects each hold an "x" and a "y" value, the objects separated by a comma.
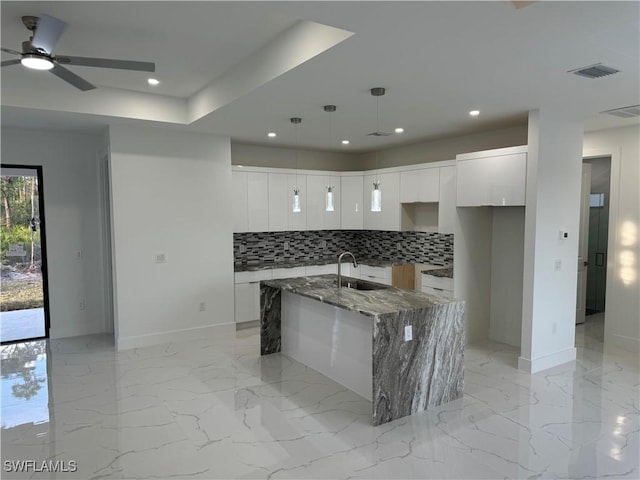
[{"x": 37, "y": 53}]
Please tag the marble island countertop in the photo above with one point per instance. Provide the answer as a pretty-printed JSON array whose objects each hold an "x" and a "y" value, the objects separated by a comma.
[
  {"x": 439, "y": 272},
  {"x": 373, "y": 303},
  {"x": 262, "y": 265}
]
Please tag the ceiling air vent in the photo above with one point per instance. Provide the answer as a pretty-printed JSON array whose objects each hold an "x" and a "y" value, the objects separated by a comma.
[
  {"x": 378, "y": 134},
  {"x": 625, "y": 112},
  {"x": 594, "y": 71}
]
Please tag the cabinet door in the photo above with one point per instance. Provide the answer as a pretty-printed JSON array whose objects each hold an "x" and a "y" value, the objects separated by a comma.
[
  {"x": 239, "y": 199},
  {"x": 245, "y": 302},
  {"x": 351, "y": 204},
  {"x": 279, "y": 202},
  {"x": 281, "y": 215},
  {"x": 420, "y": 185},
  {"x": 491, "y": 181},
  {"x": 318, "y": 218},
  {"x": 389, "y": 217},
  {"x": 258, "y": 201},
  {"x": 447, "y": 201}
]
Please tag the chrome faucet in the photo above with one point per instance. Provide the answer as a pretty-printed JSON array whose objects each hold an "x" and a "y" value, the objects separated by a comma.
[{"x": 355, "y": 265}]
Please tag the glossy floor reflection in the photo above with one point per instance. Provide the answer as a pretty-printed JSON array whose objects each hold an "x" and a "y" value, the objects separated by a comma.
[{"x": 216, "y": 409}]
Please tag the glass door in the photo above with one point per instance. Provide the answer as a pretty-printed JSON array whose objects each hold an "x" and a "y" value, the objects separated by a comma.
[{"x": 24, "y": 309}]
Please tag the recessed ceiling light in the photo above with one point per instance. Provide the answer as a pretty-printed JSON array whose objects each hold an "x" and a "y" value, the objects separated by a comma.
[
  {"x": 153, "y": 81},
  {"x": 239, "y": 166},
  {"x": 474, "y": 113},
  {"x": 345, "y": 142},
  {"x": 271, "y": 134},
  {"x": 399, "y": 130}
]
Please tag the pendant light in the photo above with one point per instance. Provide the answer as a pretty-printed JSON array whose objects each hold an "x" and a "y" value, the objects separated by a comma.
[
  {"x": 376, "y": 193},
  {"x": 329, "y": 193},
  {"x": 296, "y": 121}
]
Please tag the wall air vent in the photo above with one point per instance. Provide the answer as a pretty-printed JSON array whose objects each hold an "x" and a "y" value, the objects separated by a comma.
[
  {"x": 625, "y": 112},
  {"x": 594, "y": 71},
  {"x": 378, "y": 134}
]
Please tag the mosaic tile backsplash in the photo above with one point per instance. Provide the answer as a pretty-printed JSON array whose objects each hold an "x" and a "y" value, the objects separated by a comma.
[{"x": 419, "y": 247}]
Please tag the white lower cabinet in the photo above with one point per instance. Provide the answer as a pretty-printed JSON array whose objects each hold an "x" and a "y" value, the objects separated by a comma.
[
  {"x": 376, "y": 274},
  {"x": 322, "y": 269},
  {"x": 440, "y": 286},
  {"x": 247, "y": 308}
]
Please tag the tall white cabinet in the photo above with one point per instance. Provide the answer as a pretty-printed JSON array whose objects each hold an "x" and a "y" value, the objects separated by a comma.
[{"x": 250, "y": 210}]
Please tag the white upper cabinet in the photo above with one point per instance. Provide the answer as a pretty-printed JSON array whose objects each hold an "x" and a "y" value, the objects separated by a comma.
[
  {"x": 239, "y": 199},
  {"x": 447, "y": 201},
  {"x": 257, "y": 196},
  {"x": 389, "y": 217},
  {"x": 318, "y": 218},
  {"x": 421, "y": 185},
  {"x": 491, "y": 178},
  {"x": 281, "y": 214},
  {"x": 352, "y": 202}
]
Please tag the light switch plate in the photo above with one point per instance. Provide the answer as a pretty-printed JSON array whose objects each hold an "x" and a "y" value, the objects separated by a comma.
[{"x": 408, "y": 333}]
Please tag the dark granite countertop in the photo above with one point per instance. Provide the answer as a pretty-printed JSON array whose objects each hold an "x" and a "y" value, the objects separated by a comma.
[
  {"x": 250, "y": 267},
  {"x": 440, "y": 272},
  {"x": 367, "y": 302}
]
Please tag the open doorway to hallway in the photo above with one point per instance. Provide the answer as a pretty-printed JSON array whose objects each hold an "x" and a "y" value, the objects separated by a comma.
[
  {"x": 597, "y": 239},
  {"x": 24, "y": 306}
]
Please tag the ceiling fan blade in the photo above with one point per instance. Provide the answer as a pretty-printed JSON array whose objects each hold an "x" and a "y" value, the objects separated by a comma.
[
  {"x": 107, "y": 63},
  {"x": 12, "y": 52},
  {"x": 47, "y": 33},
  {"x": 70, "y": 77},
  {"x": 10, "y": 62}
]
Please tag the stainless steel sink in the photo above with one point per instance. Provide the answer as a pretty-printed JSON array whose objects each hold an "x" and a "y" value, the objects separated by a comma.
[{"x": 362, "y": 285}]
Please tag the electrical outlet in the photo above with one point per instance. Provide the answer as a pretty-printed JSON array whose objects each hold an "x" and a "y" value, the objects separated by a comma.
[
  {"x": 398, "y": 246},
  {"x": 81, "y": 305},
  {"x": 554, "y": 328},
  {"x": 202, "y": 306},
  {"x": 408, "y": 333},
  {"x": 286, "y": 245},
  {"x": 558, "y": 265},
  {"x": 243, "y": 248},
  {"x": 161, "y": 258},
  {"x": 78, "y": 254},
  {"x": 323, "y": 244}
]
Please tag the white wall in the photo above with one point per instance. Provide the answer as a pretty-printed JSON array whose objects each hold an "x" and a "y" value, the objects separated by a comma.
[
  {"x": 72, "y": 212},
  {"x": 171, "y": 194},
  {"x": 554, "y": 164},
  {"x": 444, "y": 148},
  {"x": 622, "y": 316},
  {"x": 472, "y": 267},
  {"x": 507, "y": 250},
  {"x": 278, "y": 157}
]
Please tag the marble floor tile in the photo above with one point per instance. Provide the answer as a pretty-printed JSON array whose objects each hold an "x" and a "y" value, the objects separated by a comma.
[{"x": 214, "y": 408}]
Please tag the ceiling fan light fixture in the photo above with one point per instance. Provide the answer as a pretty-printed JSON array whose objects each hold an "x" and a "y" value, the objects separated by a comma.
[{"x": 36, "y": 62}]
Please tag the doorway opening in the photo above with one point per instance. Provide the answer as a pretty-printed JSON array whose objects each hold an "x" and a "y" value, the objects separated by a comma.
[
  {"x": 599, "y": 200},
  {"x": 596, "y": 244},
  {"x": 24, "y": 305}
]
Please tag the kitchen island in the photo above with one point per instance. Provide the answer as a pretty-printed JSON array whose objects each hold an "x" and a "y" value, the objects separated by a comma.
[{"x": 401, "y": 349}]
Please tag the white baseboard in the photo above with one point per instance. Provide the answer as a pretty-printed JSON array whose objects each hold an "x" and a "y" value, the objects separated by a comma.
[
  {"x": 628, "y": 343},
  {"x": 536, "y": 365},
  {"x": 195, "y": 333}
]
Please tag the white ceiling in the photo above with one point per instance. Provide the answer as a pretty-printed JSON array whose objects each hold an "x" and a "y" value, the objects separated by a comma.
[{"x": 438, "y": 60}]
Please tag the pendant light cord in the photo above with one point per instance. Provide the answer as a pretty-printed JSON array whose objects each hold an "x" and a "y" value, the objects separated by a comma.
[
  {"x": 297, "y": 147},
  {"x": 377, "y": 131}
]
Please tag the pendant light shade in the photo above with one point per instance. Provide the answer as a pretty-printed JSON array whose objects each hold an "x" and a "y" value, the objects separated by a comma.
[
  {"x": 376, "y": 193},
  {"x": 376, "y": 198},
  {"x": 328, "y": 201},
  {"x": 296, "y": 201},
  {"x": 296, "y": 208}
]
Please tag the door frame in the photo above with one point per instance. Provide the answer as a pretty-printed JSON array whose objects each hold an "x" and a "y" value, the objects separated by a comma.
[
  {"x": 43, "y": 251},
  {"x": 615, "y": 154}
]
